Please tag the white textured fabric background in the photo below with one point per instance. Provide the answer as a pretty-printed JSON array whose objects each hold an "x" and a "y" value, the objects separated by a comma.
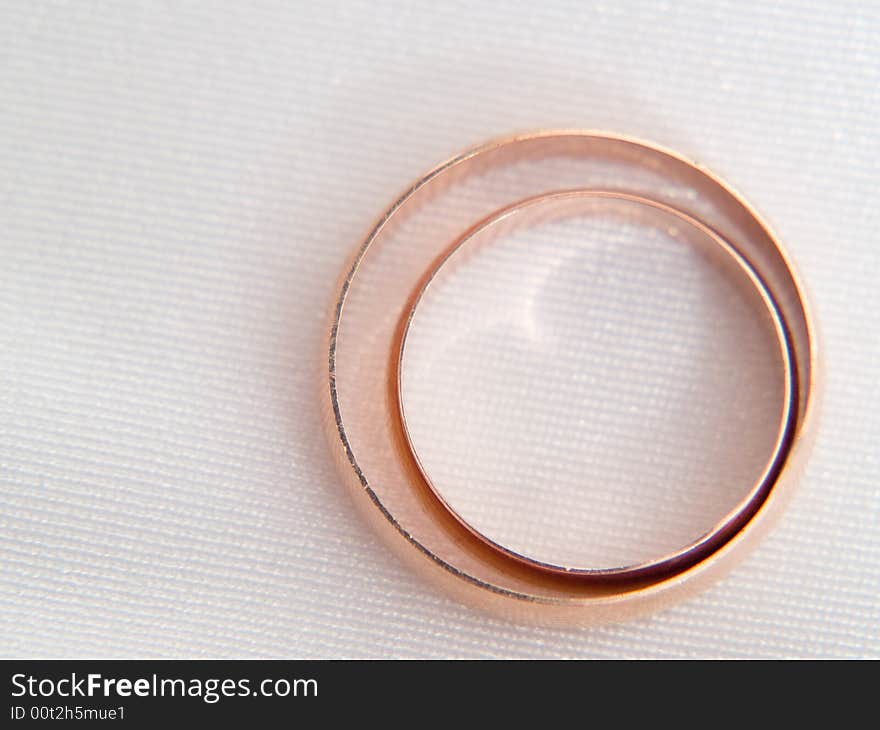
[{"x": 180, "y": 184}]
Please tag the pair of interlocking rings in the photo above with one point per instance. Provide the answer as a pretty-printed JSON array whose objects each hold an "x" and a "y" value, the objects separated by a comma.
[{"x": 383, "y": 285}]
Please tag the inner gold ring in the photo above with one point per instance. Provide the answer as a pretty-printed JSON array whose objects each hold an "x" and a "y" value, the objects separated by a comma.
[
  {"x": 550, "y": 207},
  {"x": 360, "y": 389}
]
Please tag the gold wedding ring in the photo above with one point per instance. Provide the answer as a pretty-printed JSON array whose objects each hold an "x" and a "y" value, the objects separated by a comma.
[{"x": 382, "y": 287}]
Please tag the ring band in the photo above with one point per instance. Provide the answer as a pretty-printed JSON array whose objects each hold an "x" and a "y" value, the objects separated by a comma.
[
  {"x": 554, "y": 206},
  {"x": 363, "y": 411}
]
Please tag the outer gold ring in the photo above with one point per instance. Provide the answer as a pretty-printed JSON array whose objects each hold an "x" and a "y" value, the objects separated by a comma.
[
  {"x": 366, "y": 431},
  {"x": 553, "y": 206}
]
